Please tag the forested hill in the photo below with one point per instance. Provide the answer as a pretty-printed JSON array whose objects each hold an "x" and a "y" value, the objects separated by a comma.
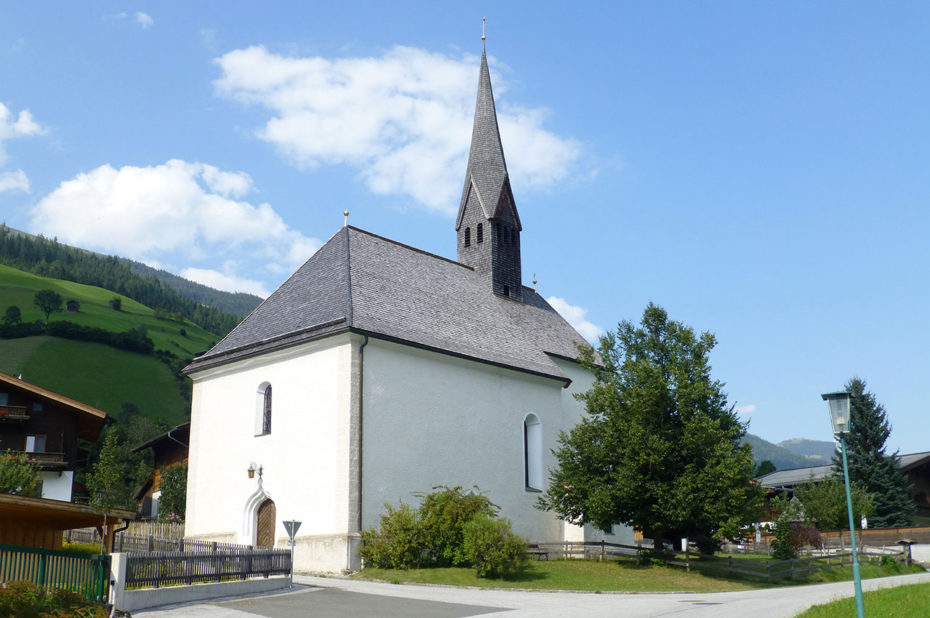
[
  {"x": 236, "y": 303},
  {"x": 49, "y": 258}
]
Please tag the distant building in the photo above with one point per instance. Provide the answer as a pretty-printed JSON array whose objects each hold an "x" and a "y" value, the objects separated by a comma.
[
  {"x": 915, "y": 465},
  {"x": 378, "y": 371},
  {"x": 169, "y": 449},
  {"x": 46, "y": 427}
]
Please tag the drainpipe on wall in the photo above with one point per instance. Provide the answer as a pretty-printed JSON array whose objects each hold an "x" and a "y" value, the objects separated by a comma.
[{"x": 357, "y": 524}]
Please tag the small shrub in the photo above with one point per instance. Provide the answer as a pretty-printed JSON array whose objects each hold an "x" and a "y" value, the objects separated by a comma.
[
  {"x": 888, "y": 561},
  {"x": 116, "y": 303},
  {"x": 81, "y": 548},
  {"x": 808, "y": 536},
  {"x": 398, "y": 543},
  {"x": 492, "y": 547},
  {"x": 443, "y": 516},
  {"x": 26, "y": 600},
  {"x": 785, "y": 544}
]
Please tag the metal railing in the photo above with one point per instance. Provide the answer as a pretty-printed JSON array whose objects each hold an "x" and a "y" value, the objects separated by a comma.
[
  {"x": 128, "y": 542},
  {"x": 87, "y": 575},
  {"x": 148, "y": 570}
]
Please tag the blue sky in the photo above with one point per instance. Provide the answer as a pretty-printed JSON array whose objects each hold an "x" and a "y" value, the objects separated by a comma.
[{"x": 758, "y": 169}]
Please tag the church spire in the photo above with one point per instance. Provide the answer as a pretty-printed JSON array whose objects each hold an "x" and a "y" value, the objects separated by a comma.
[{"x": 488, "y": 225}]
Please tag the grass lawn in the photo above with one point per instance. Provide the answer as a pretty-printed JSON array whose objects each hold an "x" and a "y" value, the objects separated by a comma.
[
  {"x": 901, "y": 602},
  {"x": 611, "y": 575},
  {"x": 625, "y": 575}
]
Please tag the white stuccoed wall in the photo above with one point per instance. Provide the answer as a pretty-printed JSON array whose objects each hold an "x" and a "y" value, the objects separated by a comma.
[
  {"x": 428, "y": 419},
  {"x": 431, "y": 419},
  {"x": 305, "y": 459},
  {"x": 57, "y": 485}
]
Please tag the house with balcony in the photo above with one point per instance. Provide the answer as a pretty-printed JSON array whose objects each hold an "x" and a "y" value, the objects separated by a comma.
[{"x": 46, "y": 426}]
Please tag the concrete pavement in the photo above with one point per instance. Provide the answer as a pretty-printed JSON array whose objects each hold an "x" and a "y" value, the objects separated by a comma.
[{"x": 325, "y": 597}]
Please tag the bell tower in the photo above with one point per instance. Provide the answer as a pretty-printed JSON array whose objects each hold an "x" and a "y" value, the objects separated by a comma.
[{"x": 488, "y": 226}]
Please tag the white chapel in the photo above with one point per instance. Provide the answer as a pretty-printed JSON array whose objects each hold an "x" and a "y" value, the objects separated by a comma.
[{"x": 378, "y": 371}]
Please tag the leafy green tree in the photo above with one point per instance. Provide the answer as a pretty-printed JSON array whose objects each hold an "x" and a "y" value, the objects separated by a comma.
[
  {"x": 48, "y": 302},
  {"x": 869, "y": 467},
  {"x": 173, "y": 488},
  {"x": 18, "y": 475},
  {"x": 824, "y": 503},
  {"x": 764, "y": 467},
  {"x": 107, "y": 481},
  {"x": 659, "y": 448},
  {"x": 12, "y": 316},
  {"x": 116, "y": 303}
]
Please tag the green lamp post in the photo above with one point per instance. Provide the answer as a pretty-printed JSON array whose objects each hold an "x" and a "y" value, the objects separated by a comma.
[{"x": 839, "y": 416}]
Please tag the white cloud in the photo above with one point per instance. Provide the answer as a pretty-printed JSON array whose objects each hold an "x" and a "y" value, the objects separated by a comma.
[
  {"x": 747, "y": 409},
  {"x": 403, "y": 119},
  {"x": 577, "y": 317},
  {"x": 145, "y": 20},
  {"x": 22, "y": 125},
  {"x": 224, "y": 281},
  {"x": 14, "y": 181},
  {"x": 177, "y": 208}
]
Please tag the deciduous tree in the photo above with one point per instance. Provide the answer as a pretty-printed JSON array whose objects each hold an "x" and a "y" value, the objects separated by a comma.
[
  {"x": 48, "y": 302},
  {"x": 17, "y": 475},
  {"x": 659, "y": 448}
]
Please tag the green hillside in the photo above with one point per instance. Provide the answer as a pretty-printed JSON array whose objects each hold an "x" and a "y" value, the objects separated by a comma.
[
  {"x": 98, "y": 374},
  {"x": 782, "y": 458}
]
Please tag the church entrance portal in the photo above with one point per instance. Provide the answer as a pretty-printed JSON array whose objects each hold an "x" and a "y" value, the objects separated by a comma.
[{"x": 264, "y": 524}]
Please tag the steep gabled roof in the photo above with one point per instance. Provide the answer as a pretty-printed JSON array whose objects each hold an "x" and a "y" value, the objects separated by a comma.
[
  {"x": 90, "y": 419},
  {"x": 368, "y": 284},
  {"x": 486, "y": 173}
]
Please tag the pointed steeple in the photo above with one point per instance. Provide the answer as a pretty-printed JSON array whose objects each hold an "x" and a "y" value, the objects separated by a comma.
[{"x": 488, "y": 226}]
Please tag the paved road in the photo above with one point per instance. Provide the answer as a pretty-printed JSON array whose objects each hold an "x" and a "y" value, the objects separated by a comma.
[{"x": 334, "y": 597}]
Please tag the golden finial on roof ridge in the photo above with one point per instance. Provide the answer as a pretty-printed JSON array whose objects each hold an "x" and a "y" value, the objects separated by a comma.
[{"x": 346, "y": 214}]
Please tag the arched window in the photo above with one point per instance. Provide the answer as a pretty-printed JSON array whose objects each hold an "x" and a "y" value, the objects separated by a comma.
[
  {"x": 263, "y": 410},
  {"x": 532, "y": 453},
  {"x": 467, "y": 236},
  {"x": 480, "y": 234}
]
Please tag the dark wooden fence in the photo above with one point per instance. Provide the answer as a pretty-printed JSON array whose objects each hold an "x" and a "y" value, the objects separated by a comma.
[
  {"x": 155, "y": 569},
  {"x": 126, "y": 542}
]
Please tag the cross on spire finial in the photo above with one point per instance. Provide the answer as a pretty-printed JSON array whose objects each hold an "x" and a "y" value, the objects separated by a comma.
[{"x": 484, "y": 21}]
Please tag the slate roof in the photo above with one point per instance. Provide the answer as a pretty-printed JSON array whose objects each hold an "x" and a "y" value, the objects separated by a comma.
[
  {"x": 782, "y": 479},
  {"x": 368, "y": 284},
  {"x": 487, "y": 168}
]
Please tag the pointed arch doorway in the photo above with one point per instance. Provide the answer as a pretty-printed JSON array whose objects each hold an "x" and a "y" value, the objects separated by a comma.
[{"x": 264, "y": 524}]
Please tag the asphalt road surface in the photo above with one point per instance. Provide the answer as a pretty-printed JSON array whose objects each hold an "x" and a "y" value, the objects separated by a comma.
[{"x": 336, "y": 597}]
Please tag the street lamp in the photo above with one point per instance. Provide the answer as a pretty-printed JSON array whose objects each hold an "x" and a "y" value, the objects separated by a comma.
[{"x": 839, "y": 416}]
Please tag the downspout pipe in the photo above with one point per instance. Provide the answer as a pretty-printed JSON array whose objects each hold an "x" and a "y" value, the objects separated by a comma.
[{"x": 361, "y": 416}]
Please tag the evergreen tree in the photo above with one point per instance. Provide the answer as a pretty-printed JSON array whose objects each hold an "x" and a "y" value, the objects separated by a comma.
[
  {"x": 869, "y": 467},
  {"x": 660, "y": 446}
]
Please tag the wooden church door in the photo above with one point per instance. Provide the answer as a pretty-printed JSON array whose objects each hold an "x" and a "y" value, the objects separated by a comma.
[{"x": 264, "y": 525}]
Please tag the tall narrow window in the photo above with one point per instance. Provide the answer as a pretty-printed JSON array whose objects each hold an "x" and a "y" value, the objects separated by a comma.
[
  {"x": 467, "y": 236},
  {"x": 263, "y": 410},
  {"x": 532, "y": 453},
  {"x": 266, "y": 411},
  {"x": 480, "y": 234}
]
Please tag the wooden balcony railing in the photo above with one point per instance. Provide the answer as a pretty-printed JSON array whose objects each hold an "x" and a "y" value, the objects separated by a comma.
[
  {"x": 47, "y": 461},
  {"x": 14, "y": 413}
]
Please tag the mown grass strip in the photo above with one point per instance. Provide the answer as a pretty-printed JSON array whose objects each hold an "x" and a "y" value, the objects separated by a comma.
[
  {"x": 625, "y": 575},
  {"x": 902, "y": 602}
]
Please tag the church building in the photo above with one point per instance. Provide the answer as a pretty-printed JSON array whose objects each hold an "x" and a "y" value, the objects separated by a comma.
[{"x": 378, "y": 371}]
